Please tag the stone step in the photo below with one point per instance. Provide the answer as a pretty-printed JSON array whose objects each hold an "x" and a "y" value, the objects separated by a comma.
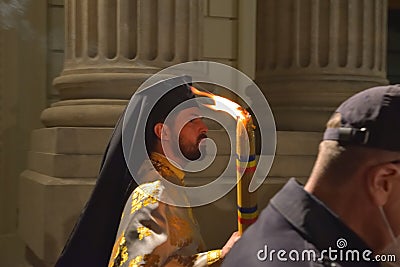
[
  {"x": 48, "y": 210},
  {"x": 12, "y": 251},
  {"x": 68, "y": 152},
  {"x": 69, "y": 166},
  {"x": 199, "y": 181},
  {"x": 70, "y": 140},
  {"x": 298, "y": 143},
  {"x": 287, "y": 143},
  {"x": 306, "y": 118},
  {"x": 65, "y": 165},
  {"x": 83, "y": 140},
  {"x": 283, "y": 166}
]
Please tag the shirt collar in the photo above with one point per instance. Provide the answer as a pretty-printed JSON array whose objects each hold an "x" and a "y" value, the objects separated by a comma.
[
  {"x": 157, "y": 157},
  {"x": 313, "y": 219}
]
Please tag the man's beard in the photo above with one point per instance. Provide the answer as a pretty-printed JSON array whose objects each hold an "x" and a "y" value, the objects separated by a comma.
[{"x": 193, "y": 151}]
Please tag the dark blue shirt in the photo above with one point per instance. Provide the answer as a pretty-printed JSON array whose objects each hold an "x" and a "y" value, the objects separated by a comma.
[{"x": 296, "y": 229}]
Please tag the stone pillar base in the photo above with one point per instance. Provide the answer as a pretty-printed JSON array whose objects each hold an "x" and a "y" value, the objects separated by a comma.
[
  {"x": 12, "y": 251},
  {"x": 307, "y": 105},
  {"x": 48, "y": 211},
  {"x": 84, "y": 113},
  {"x": 63, "y": 165}
]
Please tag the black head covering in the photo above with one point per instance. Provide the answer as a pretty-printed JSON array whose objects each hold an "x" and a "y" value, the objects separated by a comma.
[
  {"x": 93, "y": 237},
  {"x": 370, "y": 118}
]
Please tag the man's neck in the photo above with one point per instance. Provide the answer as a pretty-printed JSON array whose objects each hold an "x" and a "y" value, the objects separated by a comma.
[{"x": 349, "y": 203}]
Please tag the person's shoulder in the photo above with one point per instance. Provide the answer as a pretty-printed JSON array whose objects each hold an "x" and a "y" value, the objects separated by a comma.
[
  {"x": 142, "y": 202},
  {"x": 150, "y": 190},
  {"x": 153, "y": 188},
  {"x": 270, "y": 233},
  {"x": 271, "y": 225}
]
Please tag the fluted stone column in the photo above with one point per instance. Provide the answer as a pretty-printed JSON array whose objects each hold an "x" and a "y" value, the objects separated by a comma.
[
  {"x": 111, "y": 47},
  {"x": 310, "y": 56},
  {"x": 313, "y": 54}
]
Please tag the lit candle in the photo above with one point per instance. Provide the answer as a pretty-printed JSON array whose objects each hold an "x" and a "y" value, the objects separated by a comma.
[
  {"x": 246, "y": 157},
  {"x": 246, "y": 166}
]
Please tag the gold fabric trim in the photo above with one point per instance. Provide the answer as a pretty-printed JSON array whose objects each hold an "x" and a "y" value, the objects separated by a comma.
[
  {"x": 120, "y": 252},
  {"x": 164, "y": 167},
  {"x": 143, "y": 232},
  {"x": 213, "y": 256},
  {"x": 135, "y": 262},
  {"x": 149, "y": 260},
  {"x": 141, "y": 199},
  {"x": 180, "y": 233}
]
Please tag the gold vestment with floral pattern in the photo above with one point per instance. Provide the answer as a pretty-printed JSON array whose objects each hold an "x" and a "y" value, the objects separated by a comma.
[{"x": 152, "y": 233}]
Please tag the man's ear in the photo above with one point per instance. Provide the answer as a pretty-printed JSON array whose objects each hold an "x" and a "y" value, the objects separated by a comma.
[
  {"x": 379, "y": 181},
  {"x": 161, "y": 130}
]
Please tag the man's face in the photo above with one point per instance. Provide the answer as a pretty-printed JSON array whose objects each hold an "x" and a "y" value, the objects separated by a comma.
[{"x": 192, "y": 131}]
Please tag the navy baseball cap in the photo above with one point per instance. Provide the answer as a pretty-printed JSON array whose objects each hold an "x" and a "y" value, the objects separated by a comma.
[{"x": 370, "y": 118}]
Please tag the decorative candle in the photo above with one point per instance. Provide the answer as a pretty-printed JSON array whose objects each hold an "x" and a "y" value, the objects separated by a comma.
[
  {"x": 246, "y": 166},
  {"x": 246, "y": 157}
]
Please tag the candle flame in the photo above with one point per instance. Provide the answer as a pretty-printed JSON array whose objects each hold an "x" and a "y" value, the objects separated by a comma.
[{"x": 223, "y": 104}]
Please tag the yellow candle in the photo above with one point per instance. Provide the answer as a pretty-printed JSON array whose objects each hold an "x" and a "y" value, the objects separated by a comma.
[
  {"x": 246, "y": 165},
  {"x": 246, "y": 157}
]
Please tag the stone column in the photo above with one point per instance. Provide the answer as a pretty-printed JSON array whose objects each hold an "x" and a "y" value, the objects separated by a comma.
[
  {"x": 310, "y": 56},
  {"x": 111, "y": 47},
  {"x": 313, "y": 54}
]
